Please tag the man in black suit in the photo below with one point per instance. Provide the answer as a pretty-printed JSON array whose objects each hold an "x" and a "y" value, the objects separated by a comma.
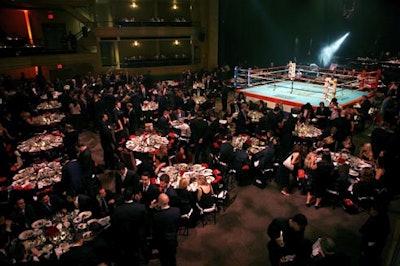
[
  {"x": 147, "y": 191},
  {"x": 287, "y": 238},
  {"x": 226, "y": 152},
  {"x": 189, "y": 104},
  {"x": 22, "y": 216},
  {"x": 165, "y": 187},
  {"x": 49, "y": 204},
  {"x": 164, "y": 123},
  {"x": 243, "y": 121},
  {"x": 125, "y": 178},
  {"x": 200, "y": 138},
  {"x": 165, "y": 228},
  {"x": 144, "y": 93},
  {"x": 235, "y": 106},
  {"x": 132, "y": 119},
  {"x": 178, "y": 114},
  {"x": 128, "y": 224},
  {"x": 79, "y": 254},
  {"x": 82, "y": 202},
  {"x": 72, "y": 176},
  {"x": 107, "y": 142},
  {"x": 85, "y": 160},
  {"x": 105, "y": 202}
]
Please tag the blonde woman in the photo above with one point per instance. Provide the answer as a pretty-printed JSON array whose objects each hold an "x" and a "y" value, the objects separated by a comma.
[
  {"x": 186, "y": 200},
  {"x": 366, "y": 153},
  {"x": 310, "y": 165},
  {"x": 204, "y": 193}
]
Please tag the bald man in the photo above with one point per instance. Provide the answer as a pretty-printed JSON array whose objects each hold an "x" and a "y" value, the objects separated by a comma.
[{"x": 165, "y": 230}]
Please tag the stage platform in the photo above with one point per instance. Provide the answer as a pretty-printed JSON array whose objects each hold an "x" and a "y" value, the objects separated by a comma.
[
  {"x": 293, "y": 85},
  {"x": 302, "y": 93}
]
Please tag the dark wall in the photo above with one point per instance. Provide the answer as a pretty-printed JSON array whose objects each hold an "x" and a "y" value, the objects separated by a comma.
[{"x": 258, "y": 32}]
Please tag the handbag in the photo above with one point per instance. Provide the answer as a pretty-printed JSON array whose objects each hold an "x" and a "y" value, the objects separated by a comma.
[{"x": 288, "y": 163}]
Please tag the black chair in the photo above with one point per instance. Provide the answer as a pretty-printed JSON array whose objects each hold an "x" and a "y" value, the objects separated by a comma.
[
  {"x": 208, "y": 214},
  {"x": 184, "y": 223}
]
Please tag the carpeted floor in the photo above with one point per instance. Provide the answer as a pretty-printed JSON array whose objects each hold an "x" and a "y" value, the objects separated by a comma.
[{"x": 239, "y": 236}]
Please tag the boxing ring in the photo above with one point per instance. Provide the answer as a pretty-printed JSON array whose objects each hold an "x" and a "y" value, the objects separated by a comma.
[{"x": 292, "y": 86}]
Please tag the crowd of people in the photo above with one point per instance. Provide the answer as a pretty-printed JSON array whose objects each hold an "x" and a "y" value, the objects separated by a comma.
[{"x": 111, "y": 106}]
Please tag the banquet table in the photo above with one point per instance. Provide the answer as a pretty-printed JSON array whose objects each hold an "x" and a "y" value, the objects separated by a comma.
[
  {"x": 254, "y": 116},
  {"x": 149, "y": 106},
  {"x": 182, "y": 127},
  {"x": 354, "y": 163},
  {"x": 47, "y": 120},
  {"x": 48, "y": 105},
  {"x": 199, "y": 99},
  {"x": 190, "y": 171},
  {"x": 35, "y": 179},
  {"x": 52, "y": 237},
  {"x": 148, "y": 142},
  {"x": 256, "y": 145},
  {"x": 307, "y": 133},
  {"x": 150, "y": 111},
  {"x": 42, "y": 146},
  {"x": 37, "y": 176}
]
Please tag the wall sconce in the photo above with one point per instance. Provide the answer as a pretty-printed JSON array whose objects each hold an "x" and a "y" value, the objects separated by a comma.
[
  {"x": 135, "y": 43},
  {"x": 174, "y": 6},
  {"x": 176, "y": 42},
  {"x": 134, "y": 5}
]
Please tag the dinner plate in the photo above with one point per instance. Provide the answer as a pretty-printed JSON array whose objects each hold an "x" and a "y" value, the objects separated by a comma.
[
  {"x": 47, "y": 248},
  {"x": 207, "y": 172},
  {"x": 210, "y": 179},
  {"x": 168, "y": 169},
  {"x": 64, "y": 246},
  {"x": 25, "y": 235},
  {"x": 38, "y": 223},
  {"x": 48, "y": 223},
  {"x": 18, "y": 176},
  {"x": 77, "y": 220},
  {"x": 87, "y": 236},
  {"x": 104, "y": 221},
  {"x": 56, "y": 178},
  {"x": 189, "y": 174},
  {"x": 28, "y": 170},
  {"x": 85, "y": 214},
  {"x": 82, "y": 226},
  {"x": 353, "y": 172},
  {"x": 92, "y": 221}
]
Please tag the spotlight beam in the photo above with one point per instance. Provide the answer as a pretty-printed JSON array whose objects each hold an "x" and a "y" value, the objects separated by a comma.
[{"x": 328, "y": 52}]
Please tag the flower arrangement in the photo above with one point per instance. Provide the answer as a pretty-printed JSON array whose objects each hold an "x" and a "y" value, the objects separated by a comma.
[{"x": 51, "y": 232}]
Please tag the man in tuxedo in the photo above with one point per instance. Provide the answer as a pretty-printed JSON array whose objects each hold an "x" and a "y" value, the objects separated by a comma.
[
  {"x": 200, "y": 138},
  {"x": 72, "y": 176},
  {"x": 107, "y": 142},
  {"x": 128, "y": 224},
  {"x": 85, "y": 160},
  {"x": 287, "y": 238},
  {"x": 165, "y": 187},
  {"x": 125, "y": 178},
  {"x": 178, "y": 114},
  {"x": 226, "y": 152},
  {"x": 147, "y": 191},
  {"x": 234, "y": 105},
  {"x": 79, "y": 254},
  {"x": 49, "y": 204},
  {"x": 132, "y": 119},
  {"x": 165, "y": 228},
  {"x": 243, "y": 121},
  {"x": 105, "y": 202},
  {"x": 22, "y": 216},
  {"x": 164, "y": 123},
  {"x": 82, "y": 202},
  {"x": 144, "y": 93}
]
